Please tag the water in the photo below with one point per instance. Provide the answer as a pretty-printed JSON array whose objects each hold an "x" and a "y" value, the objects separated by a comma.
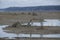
[
  {"x": 49, "y": 22},
  {"x": 4, "y": 34}
]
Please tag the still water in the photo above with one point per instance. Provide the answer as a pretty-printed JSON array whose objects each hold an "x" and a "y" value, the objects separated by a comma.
[{"x": 49, "y": 22}]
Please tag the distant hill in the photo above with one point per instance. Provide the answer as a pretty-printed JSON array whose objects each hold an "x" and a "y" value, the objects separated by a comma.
[{"x": 34, "y": 8}]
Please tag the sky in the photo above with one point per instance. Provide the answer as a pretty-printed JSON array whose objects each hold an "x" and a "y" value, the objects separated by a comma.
[{"x": 25, "y": 3}]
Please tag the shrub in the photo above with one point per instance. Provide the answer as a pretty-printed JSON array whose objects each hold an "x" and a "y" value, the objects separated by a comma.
[{"x": 34, "y": 14}]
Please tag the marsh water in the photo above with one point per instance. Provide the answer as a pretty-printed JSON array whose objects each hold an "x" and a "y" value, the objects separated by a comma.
[{"x": 48, "y": 22}]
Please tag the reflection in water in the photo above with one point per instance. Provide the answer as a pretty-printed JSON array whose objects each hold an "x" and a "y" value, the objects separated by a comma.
[{"x": 47, "y": 23}]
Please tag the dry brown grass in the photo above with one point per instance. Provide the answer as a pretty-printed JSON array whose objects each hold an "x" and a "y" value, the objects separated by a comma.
[{"x": 11, "y": 17}]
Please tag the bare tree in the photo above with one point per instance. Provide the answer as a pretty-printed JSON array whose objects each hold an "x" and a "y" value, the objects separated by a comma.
[
  {"x": 41, "y": 22},
  {"x": 29, "y": 25}
]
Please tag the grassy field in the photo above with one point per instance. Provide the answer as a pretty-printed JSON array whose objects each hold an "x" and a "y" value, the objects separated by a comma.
[
  {"x": 8, "y": 18},
  {"x": 11, "y": 17}
]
